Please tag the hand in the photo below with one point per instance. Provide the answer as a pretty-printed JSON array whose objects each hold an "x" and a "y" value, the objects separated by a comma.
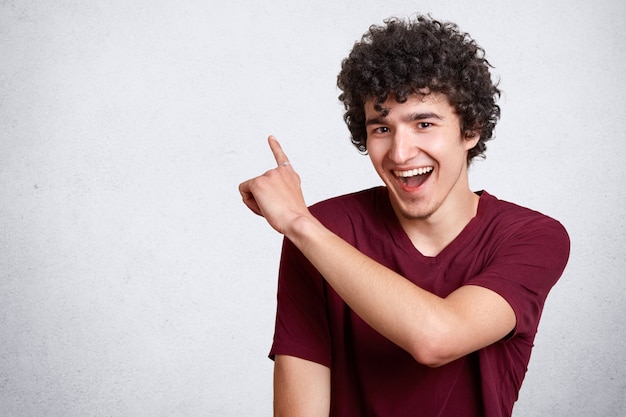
[{"x": 276, "y": 195}]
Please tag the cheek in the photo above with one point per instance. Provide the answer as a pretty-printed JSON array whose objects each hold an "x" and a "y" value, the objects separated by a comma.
[
  {"x": 374, "y": 151},
  {"x": 376, "y": 158}
]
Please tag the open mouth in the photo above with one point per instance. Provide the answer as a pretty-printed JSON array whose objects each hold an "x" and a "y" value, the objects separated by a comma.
[{"x": 413, "y": 178}]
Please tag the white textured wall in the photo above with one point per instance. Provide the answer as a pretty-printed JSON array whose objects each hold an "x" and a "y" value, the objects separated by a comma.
[{"x": 133, "y": 282}]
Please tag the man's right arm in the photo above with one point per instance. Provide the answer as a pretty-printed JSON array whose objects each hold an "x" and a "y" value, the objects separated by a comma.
[{"x": 301, "y": 388}]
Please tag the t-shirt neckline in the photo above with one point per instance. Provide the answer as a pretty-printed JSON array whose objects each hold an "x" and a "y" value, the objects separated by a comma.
[{"x": 402, "y": 240}]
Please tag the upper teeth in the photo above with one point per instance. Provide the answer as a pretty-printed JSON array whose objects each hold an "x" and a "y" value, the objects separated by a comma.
[{"x": 413, "y": 172}]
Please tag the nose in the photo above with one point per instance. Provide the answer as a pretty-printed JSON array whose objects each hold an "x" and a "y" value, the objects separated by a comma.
[{"x": 403, "y": 148}]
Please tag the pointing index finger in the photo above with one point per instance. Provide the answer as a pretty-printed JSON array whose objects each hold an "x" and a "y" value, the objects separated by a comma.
[{"x": 277, "y": 150}]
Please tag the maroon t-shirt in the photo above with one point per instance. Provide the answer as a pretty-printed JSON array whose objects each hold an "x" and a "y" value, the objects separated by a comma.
[{"x": 514, "y": 251}]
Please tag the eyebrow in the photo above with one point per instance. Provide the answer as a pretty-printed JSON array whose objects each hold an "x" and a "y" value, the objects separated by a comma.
[{"x": 412, "y": 118}]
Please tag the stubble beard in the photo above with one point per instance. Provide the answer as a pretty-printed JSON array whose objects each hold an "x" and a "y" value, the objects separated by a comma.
[{"x": 413, "y": 215}]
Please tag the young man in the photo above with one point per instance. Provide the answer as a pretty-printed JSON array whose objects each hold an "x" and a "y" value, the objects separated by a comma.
[{"x": 419, "y": 298}]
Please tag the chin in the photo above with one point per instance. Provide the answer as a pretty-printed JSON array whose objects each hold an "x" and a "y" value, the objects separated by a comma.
[
  {"x": 412, "y": 215},
  {"x": 410, "y": 211}
]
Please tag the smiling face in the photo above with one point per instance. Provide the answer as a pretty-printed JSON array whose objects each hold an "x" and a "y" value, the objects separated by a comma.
[{"x": 418, "y": 151}]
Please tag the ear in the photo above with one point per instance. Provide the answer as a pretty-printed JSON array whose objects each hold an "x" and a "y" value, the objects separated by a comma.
[{"x": 471, "y": 139}]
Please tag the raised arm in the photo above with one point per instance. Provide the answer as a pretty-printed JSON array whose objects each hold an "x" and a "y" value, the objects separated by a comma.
[
  {"x": 432, "y": 329},
  {"x": 301, "y": 388}
]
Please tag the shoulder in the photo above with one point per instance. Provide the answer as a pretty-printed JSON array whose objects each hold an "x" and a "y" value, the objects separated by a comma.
[
  {"x": 353, "y": 213},
  {"x": 515, "y": 223},
  {"x": 514, "y": 216},
  {"x": 365, "y": 201}
]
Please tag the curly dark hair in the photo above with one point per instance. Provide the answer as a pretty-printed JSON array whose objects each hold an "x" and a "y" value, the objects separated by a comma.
[{"x": 414, "y": 56}]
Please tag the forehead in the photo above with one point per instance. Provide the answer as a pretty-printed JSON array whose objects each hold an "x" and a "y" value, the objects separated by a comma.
[{"x": 416, "y": 103}]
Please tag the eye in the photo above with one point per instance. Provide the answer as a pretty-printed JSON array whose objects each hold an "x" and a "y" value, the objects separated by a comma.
[
  {"x": 424, "y": 125},
  {"x": 380, "y": 130}
]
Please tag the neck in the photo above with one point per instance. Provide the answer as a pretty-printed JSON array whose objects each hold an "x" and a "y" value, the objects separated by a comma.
[{"x": 431, "y": 235}]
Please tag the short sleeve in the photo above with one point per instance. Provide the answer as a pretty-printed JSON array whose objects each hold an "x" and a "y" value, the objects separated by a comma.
[
  {"x": 528, "y": 261},
  {"x": 301, "y": 328}
]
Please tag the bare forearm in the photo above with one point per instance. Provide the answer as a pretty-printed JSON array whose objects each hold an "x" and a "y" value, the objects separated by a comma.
[
  {"x": 432, "y": 329},
  {"x": 395, "y": 307}
]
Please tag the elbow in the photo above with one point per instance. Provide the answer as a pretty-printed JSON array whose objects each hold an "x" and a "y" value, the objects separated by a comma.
[
  {"x": 434, "y": 351},
  {"x": 435, "y": 362},
  {"x": 432, "y": 359}
]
